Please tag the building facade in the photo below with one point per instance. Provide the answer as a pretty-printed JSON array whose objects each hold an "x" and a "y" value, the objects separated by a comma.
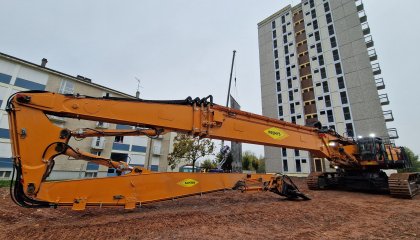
[
  {"x": 19, "y": 75},
  {"x": 318, "y": 63}
]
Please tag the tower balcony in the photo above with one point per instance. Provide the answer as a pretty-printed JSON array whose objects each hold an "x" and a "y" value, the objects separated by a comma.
[
  {"x": 365, "y": 28},
  {"x": 297, "y": 17},
  {"x": 308, "y": 96},
  {"x": 393, "y": 133},
  {"x": 362, "y": 16},
  {"x": 310, "y": 109},
  {"x": 383, "y": 99},
  {"x": 306, "y": 83},
  {"x": 388, "y": 116},
  {"x": 359, "y": 5},
  {"x": 372, "y": 55},
  {"x": 305, "y": 71},
  {"x": 376, "y": 68},
  {"x": 299, "y": 27},
  {"x": 369, "y": 41},
  {"x": 380, "y": 84}
]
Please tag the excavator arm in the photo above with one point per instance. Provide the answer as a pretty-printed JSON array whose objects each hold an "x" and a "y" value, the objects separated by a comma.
[{"x": 36, "y": 142}]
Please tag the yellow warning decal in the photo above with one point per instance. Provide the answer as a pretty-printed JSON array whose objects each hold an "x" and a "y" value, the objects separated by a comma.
[
  {"x": 276, "y": 133},
  {"x": 188, "y": 182}
]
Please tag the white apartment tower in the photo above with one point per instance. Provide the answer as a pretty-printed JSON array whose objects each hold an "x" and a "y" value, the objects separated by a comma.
[{"x": 318, "y": 63}]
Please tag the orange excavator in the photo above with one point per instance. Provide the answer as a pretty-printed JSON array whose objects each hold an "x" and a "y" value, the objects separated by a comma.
[{"x": 36, "y": 142}]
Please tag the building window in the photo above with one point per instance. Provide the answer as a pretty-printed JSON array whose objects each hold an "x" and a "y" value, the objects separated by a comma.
[
  {"x": 329, "y": 18},
  {"x": 276, "y": 63},
  {"x": 323, "y": 73},
  {"x": 283, "y": 19},
  {"x": 326, "y": 7},
  {"x": 332, "y": 127},
  {"x": 287, "y": 60},
  {"x": 285, "y": 166},
  {"x": 346, "y": 111},
  {"x": 327, "y": 100},
  {"x": 331, "y": 29},
  {"x": 330, "y": 116},
  {"x": 321, "y": 60},
  {"x": 338, "y": 69},
  {"x": 280, "y": 111},
  {"x": 296, "y": 152},
  {"x": 298, "y": 167},
  {"x": 340, "y": 82},
  {"x": 273, "y": 24},
  {"x": 91, "y": 174},
  {"x": 284, "y": 152},
  {"x": 303, "y": 160},
  {"x": 288, "y": 73},
  {"x": 285, "y": 39},
  {"x": 343, "y": 96},
  {"x": 319, "y": 48},
  {"x": 325, "y": 87},
  {"x": 66, "y": 87},
  {"x": 279, "y": 99},
  {"x": 276, "y": 53},
  {"x": 286, "y": 49},
  {"x": 311, "y": 3},
  {"x": 333, "y": 42},
  {"x": 278, "y": 86},
  {"x": 294, "y": 119},
  {"x": 119, "y": 139},
  {"x": 284, "y": 29},
  {"x": 335, "y": 55},
  {"x": 292, "y": 108},
  {"x": 350, "y": 131},
  {"x": 315, "y": 24},
  {"x": 274, "y": 34},
  {"x": 290, "y": 95},
  {"x": 313, "y": 13},
  {"x": 317, "y": 38},
  {"x": 289, "y": 83},
  {"x": 275, "y": 43}
]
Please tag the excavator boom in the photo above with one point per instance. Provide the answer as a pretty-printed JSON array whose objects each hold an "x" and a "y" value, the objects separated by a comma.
[{"x": 36, "y": 141}]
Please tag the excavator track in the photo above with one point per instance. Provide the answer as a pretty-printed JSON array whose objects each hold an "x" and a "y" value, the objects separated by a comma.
[
  {"x": 312, "y": 180},
  {"x": 404, "y": 185}
]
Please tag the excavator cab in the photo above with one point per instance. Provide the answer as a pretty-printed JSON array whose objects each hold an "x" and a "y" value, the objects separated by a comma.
[{"x": 371, "y": 149}]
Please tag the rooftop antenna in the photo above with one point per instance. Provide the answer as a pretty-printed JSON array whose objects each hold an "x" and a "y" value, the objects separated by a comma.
[{"x": 138, "y": 87}]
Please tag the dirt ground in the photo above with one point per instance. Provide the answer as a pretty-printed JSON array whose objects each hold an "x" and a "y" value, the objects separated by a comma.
[{"x": 224, "y": 215}]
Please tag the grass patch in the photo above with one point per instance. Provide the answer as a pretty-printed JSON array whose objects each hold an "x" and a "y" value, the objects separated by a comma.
[{"x": 4, "y": 183}]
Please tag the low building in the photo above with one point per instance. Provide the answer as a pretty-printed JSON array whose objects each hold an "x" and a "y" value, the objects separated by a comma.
[{"x": 20, "y": 75}]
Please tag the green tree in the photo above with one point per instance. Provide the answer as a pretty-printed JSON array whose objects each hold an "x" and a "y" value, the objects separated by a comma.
[
  {"x": 189, "y": 149},
  {"x": 255, "y": 164},
  {"x": 247, "y": 160},
  {"x": 414, "y": 159},
  {"x": 208, "y": 164},
  {"x": 261, "y": 166}
]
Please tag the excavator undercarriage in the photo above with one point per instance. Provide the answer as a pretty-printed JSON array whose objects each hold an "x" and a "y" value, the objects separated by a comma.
[{"x": 401, "y": 185}]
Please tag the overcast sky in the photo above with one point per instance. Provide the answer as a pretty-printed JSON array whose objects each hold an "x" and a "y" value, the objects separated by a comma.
[{"x": 181, "y": 48}]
